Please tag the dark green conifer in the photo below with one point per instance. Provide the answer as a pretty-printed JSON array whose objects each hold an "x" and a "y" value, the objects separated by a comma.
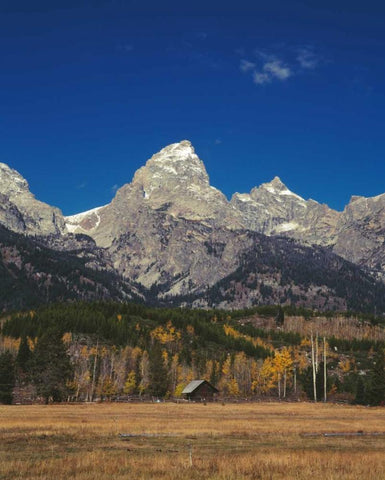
[
  {"x": 7, "y": 378},
  {"x": 23, "y": 355},
  {"x": 51, "y": 368},
  {"x": 158, "y": 372},
  {"x": 360, "y": 392},
  {"x": 280, "y": 317},
  {"x": 376, "y": 388}
]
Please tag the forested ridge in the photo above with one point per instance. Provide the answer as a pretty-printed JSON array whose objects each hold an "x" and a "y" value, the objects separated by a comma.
[
  {"x": 32, "y": 274},
  {"x": 104, "y": 350}
]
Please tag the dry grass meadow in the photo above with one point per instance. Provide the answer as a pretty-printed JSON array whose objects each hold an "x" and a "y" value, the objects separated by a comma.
[{"x": 241, "y": 441}]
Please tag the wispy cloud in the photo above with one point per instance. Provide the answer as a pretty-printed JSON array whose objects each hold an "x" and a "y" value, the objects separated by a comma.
[
  {"x": 307, "y": 58},
  {"x": 261, "y": 78},
  {"x": 114, "y": 188},
  {"x": 246, "y": 66},
  {"x": 268, "y": 67},
  {"x": 274, "y": 69},
  {"x": 277, "y": 69}
]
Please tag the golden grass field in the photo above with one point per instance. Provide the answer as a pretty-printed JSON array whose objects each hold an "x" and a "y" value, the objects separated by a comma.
[{"x": 232, "y": 441}]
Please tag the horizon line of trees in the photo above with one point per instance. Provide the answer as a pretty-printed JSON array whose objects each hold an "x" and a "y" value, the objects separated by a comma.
[
  {"x": 105, "y": 350},
  {"x": 59, "y": 368}
]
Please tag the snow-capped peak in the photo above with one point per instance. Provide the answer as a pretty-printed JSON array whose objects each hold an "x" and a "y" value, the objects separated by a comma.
[
  {"x": 174, "y": 165},
  {"x": 277, "y": 187},
  {"x": 175, "y": 153}
]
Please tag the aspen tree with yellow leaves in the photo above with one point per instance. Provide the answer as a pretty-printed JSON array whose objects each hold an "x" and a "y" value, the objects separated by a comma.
[
  {"x": 242, "y": 373},
  {"x": 130, "y": 384},
  {"x": 226, "y": 375}
]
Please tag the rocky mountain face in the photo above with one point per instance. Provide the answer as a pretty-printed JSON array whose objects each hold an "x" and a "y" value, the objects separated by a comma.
[
  {"x": 177, "y": 237},
  {"x": 272, "y": 209},
  {"x": 21, "y": 212},
  {"x": 361, "y": 233},
  {"x": 279, "y": 271},
  {"x": 157, "y": 228},
  {"x": 174, "y": 182},
  {"x": 356, "y": 234}
]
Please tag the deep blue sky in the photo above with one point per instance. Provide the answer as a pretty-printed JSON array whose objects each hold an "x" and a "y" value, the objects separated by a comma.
[{"x": 89, "y": 90}]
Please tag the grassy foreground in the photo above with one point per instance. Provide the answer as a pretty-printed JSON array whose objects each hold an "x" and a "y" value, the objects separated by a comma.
[{"x": 245, "y": 441}]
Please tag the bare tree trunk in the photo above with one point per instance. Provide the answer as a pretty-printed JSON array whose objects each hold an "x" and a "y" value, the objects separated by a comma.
[
  {"x": 112, "y": 365},
  {"x": 316, "y": 354},
  {"x": 295, "y": 379},
  {"x": 279, "y": 386},
  {"x": 94, "y": 372},
  {"x": 314, "y": 369},
  {"x": 284, "y": 384},
  {"x": 325, "y": 372}
]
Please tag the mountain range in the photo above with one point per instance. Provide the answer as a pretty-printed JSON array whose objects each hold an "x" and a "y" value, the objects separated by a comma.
[{"x": 169, "y": 237}]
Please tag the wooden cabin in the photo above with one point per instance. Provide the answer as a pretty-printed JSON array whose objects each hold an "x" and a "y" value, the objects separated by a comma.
[{"x": 200, "y": 391}]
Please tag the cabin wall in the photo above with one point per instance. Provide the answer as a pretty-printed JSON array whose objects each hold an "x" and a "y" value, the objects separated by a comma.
[{"x": 202, "y": 393}]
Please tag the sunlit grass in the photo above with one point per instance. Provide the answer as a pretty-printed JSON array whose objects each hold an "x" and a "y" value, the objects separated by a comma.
[{"x": 253, "y": 441}]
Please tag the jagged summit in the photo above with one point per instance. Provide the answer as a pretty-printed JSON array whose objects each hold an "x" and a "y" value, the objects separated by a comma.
[
  {"x": 273, "y": 209},
  {"x": 173, "y": 182},
  {"x": 176, "y": 151},
  {"x": 173, "y": 166},
  {"x": 277, "y": 187},
  {"x": 21, "y": 212},
  {"x": 360, "y": 198},
  {"x": 277, "y": 183},
  {"x": 11, "y": 182}
]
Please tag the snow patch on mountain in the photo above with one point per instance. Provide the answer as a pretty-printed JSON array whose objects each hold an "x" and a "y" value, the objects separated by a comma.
[
  {"x": 77, "y": 217},
  {"x": 286, "y": 227},
  {"x": 83, "y": 221}
]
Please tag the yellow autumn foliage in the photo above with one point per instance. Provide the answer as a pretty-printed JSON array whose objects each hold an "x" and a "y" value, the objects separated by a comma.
[
  {"x": 130, "y": 383},
  {"x": 179, "y": 389},
  {"x": 67, "y": 338},
  {"x": 257, "y": 342},
  {"x": 166, "y": 335}
]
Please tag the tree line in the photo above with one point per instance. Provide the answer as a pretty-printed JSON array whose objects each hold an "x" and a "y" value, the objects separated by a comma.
[{"x": 107, "y": 351}]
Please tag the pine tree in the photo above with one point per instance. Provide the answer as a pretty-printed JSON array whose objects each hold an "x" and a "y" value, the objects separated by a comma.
[
  {"x": 214, "y": 374},
  {"x": 280, "y": 317},
  {"x": 51, "y": 368},
  {"x": 360, "y": 392},
  {"x": 7, "y": 377},
  {"x": 23, "y": 355},
  {"x": 158, "y": 373},
  {"x": 376, "y": 388}
]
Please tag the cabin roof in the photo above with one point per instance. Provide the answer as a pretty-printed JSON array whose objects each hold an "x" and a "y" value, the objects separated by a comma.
[{"x": 192, "y": 386}]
